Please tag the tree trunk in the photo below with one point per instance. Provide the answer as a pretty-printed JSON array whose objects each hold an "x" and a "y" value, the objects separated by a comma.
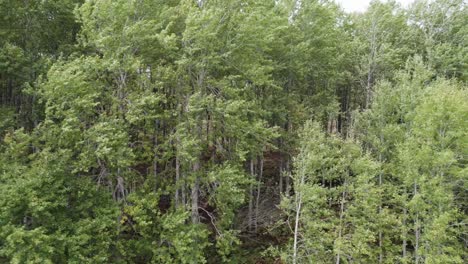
[
  {"x": 405, "y": 212},
  {"x": 183, "y": 191},
  {"x": 380, "y": 214},
  {"x": 155, "y": 156},
  {"x": 177, "y": 181},
  {"x": 416, "y": 231},
  {"x": 340, "y": 230},
  {"x": 257, "y": 200},
  {"x": 371, "y": 70},
  {"x": 281, "y": 171},
  {"x": 296, "y": 226},
  {"x": 194, "y": 196},
  {"x": 288, "y": 177},
  {"x": 298, "y": 215},
  {"x": 250, "y": 214}
]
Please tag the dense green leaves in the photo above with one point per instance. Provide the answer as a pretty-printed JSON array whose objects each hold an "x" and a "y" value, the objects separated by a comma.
[{"x": 235, "y": 131}]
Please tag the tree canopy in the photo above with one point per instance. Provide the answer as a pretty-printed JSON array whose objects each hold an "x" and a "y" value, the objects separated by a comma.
[{"x": 234, "y": 131}]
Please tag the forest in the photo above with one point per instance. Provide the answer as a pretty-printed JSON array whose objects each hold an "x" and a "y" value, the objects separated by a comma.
[{"x": 233, "y": 131}]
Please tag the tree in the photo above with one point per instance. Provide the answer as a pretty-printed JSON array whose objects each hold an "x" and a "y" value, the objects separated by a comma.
[
  {"x": 442, "y": 31},
  {"x": 335, "y": 203},
  {"x": 432, "y": 169}
]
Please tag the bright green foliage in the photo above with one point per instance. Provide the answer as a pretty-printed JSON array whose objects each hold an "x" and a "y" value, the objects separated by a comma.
[
  {"x": 441, "y": 25},
  {"x": 169, "y": 131},
  {"x": 162, "y": 237},
  {"x": 416, "y": 129},
  {"x": 336, "y": 195},
  {"x": 48, "y": 214},
  {"x": 432, "y": 166},
  {"x": 382, "y": 42}
]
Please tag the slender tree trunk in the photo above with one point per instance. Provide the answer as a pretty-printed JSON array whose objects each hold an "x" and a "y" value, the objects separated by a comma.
[
  {"x": 368, "y": 89},
  {"x": 281, "y": 167},
  {"x": 257, "y": 200},
  {"x": 155, "y": 156},
  {"x": 183, "y": 191},
  {"x": 288, "y": 177},
  {"x": 281, "y": 171},
  {"x": 296, "y": 226},
  {"x": 177, "y": 181},
  {"x": 298, "y": 215},
  {"x": 380, "y": 215},
  {"x": 9, "y": 96},
  {"x": 348, "y": 114},
  {"x": 250, "y": 214},
  {"x": 340, "y": 230},
  {"x": 121, "y": 84},
  {"x": 416, "y": 231},
  {"x": 405, "y": 214},
  {"x": 195, "y": 191},
  {"x": 417, "y": 236},
  {"x": 371, "y": 70}
]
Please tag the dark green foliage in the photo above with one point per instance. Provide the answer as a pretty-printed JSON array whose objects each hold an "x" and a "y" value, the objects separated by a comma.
[{"x": 235, "y": 131}]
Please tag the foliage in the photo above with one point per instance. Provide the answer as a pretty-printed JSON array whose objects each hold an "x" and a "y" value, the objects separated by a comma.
[{"x": 182, "y": 131}]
